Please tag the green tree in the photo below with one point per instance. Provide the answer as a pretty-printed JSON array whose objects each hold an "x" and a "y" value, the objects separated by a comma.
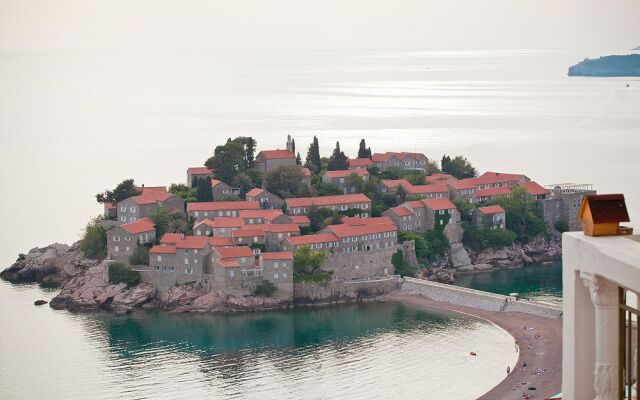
[
  {"x": 243, "y": 182},
  {"x": 286, "y": 181},
  {"x": 293, "y": 145},
  {"x": 298, "y": 159},
  {"x": 401, "y": 194},
  {"x": 400, "y": 266},
  {"x": 458, "y": 166},
  {"x": 183, "y": 191},
  {"x": 432, "y": 167},
  {"x": 313, "y": 161},
  {"x": 232, "y": 157},
  {"x": 363, "y": 150},
  {"x": 522, "y": 215},
  {"x": 338, "y": 160},
  {"x": 306, "y": 261},
  {"x": 93, "y": 243},
  {"x": 415, "y": 178},
  {"x": 321, "y": 217},
  {"x": 140, "y": 256},
  {"x": 466, "y": 209},
  {"x": 120, "y": 273},
  {"x": 122, "y": 191},
  {"x": 203, "y": 190},
  {"x": 561, "y": 226},
  {"x": 266, "y": 288},
  {"x": 354, "y": 182}
]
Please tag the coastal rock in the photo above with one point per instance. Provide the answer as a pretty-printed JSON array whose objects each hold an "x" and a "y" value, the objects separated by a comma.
[
  {"x": 453, "y": 233},
  {"x": 459, "y": 256},
  {"x": 50, "y": 266},
  {"x": 39, "y": 302}
]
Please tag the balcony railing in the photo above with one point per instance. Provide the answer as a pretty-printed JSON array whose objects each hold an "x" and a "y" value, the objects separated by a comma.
[{"x": 629, "y": 349}]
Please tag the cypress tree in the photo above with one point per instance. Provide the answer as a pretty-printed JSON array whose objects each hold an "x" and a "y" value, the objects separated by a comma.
[
  {"x": 338, "y": 159},
  {"x": 362, "y": 151},
  {"x": 203, "y": 192},
  {"x": 313, "y": 161},
  {"x": 298, "y": 159}
]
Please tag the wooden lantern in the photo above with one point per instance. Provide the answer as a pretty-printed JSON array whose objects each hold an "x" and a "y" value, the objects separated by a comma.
[{"x": 600, "y": 215}]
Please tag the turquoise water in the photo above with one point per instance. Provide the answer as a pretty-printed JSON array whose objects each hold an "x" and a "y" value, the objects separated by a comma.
[
  {"x": 357, "y": 351},
  {"x": 537, "y": 282}
]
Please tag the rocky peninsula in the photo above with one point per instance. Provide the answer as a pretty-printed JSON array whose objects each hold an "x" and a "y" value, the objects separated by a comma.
[{"x": 609, "y": 66}]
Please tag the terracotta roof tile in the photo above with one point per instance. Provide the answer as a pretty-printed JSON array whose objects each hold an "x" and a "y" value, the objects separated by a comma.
[
  {"x": 491, "y": 210},
  {"x": 277, "y": 255},
  {"x": 255, "y": 192},
  {"x": 229, "y": 263},
  {"x": 139, "y": 226},
  {"x": 401, "y": 211},
  {"x": 220, "y": 241},
  {"x": 311, "y": 239},
  {"x": 234, "y": 251},
  {"x": 276, "y": 154},
  {"x": 534, "y": 189},
  {"x": 265, "y": 214},
  {"x": 438, "y": 204},
  {"x": 163, "y": 250},
  {"x": 493, "y": 191},
  {"x": 360, "y": 162},
  {"x": 357, "y": 221},
  {"x": 424, "y": 189},
  {"x": 223, "y": 206},
  {"x": 300, "y": 220},
  {"x": 343, "y": 230},
  {"x": 171, "y": 238},
  {"x": 328, "y": 200},
  {"x": 247, "y": 233},
  {"x": 199, "y": 171},
  {"x": 192, "y": 242}
]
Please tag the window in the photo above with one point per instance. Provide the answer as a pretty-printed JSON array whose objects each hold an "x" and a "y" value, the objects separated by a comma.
[
  {"x": 123, "y": 208},
  {"x": 116, "y": 248},
  {"x": 284, "y": 275},
  {"x": 188, "y": 271},
  {"x": 172, "y": 269},
  {"x": 197, "y": 213},
  {"x": 275, "y": 276},
  {"x": 220, "y": 213},
  {"x": 232, "y": 274},
  {"x": 341, "y": 180},
  {"x": 132, "y": 209},
  {"x": 127, "y": 238},
  {"x": 116, "y": 238},
  {"x": 251, "y": 220},
  {"x": 279, "y": 235},
  {"x": 186, "y": 261},
  {"x": 441, "y": 212},
  {"x": 195, "y": 260},
  {"x": 157, "y": 268},
  {"x": 123, "y": 219},
  {"x": 275, "y": 265},
  {"x": 127, "y": 249},
  {"x": 441, "y": 222},
  {"x": 243, "y": 259},
  {"x": 195, "y": 251},
  {"x": 159, "y": 258},
  {"x": 198, "y": 232}
]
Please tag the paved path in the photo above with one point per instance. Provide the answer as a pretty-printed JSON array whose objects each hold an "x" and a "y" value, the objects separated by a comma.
[{"x": 542, "y": 354}]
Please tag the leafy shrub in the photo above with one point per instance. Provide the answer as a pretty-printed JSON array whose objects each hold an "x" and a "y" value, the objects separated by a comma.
[
  {"x": 479, "y": 239},
  {"x": 120, "y": 273},
  {"x": 430, "y": 246},
  {"x": 266, "y": 288},
  {"x": 140, "y": 256},
  {"x": 94, "y": 241},
  {"x": 561, "y": 226},
  {"x": 401, "y": 267}
]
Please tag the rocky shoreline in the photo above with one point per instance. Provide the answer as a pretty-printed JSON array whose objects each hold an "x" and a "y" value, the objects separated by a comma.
[{"x": 84, "y": 285}]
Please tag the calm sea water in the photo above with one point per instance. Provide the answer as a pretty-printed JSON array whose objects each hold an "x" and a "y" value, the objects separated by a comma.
[
  {"x": 536, "y": 282},
  {"x": 359, "y": 351}
]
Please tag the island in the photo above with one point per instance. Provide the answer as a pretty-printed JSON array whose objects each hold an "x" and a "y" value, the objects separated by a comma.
[{"x": 609, "y": 66}]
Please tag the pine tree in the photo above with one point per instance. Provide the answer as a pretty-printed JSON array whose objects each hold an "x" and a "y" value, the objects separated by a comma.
[
  {"x": 313, "y": 161},
  {"x": 250, "y": 147},
  {"x": 298, "y": 159},
  {"x": 338, "y": 159},
  {"x": 203, "y": 192},
  {"x": 362, "y": 151}
]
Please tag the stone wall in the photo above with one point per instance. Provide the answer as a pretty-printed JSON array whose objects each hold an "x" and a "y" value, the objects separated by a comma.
[
  {"x": 477, "y": 298},
  {"x": 334, "y": 291},
  {"x": 367, "y": 264}
]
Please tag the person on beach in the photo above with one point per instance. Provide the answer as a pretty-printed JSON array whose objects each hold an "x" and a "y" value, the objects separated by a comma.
[
  {"x": 508, "y": 369},
  {"x": 516, "y": 344}
]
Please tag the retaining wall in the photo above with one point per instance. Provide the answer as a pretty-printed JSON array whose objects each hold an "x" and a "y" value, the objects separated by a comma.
[
  {"x": 334, "y": 291},
  {"x": 477, "y": 298}
]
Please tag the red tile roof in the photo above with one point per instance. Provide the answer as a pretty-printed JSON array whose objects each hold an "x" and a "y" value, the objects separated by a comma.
[
  {"x": 234, "y": 251},
  {"x": 278, "y": 228},
  {"x": 154, "y": 188},
  {"x": 401, "y": 211},
  {"x": 163, "y": 250},
  {"x": 220, "y": 241},
  {"x": 343, "y": 230},
  {"x": 205, "y": 222},
  {"x": 414, "y": 204},
  {"x": 393, "y": 183},
  {"x": 199, "y": 171},
  {"x": 300, "y": 220},
  {"x": 360, "y": 162},
  {"x": 150, "y": 197},
  {"x": 534, "y": 189},
  {"x": 255, "y": 192},
  {"x": 463, "y": 184},
  {"x": 491, "y": 210},
  {"x": 139, "y": 226},
  {"x": 492, "y": 178},
  {"x": 306, "y": 171},
  {"x": 215, "y": 182},
  {"x": 440, "y": 175},
  {"x": 229, "y": 263},
  {"x": 424, "y": 189},
  {"x": 311, "y": 239},
  {"x": 247, "y": 233},
  {"x": 346, "y": 172},
  {"x": 227, "y": 222},
  {"x": 171, "y": 238},
  {"x": 277, "y": 255},
  {"x": 439, "y": 204},
  {"x": 493, "y": 191},
  {"x": 265, "y": 214},
  {"x": 276, "y": 154},
  {"x": 223, "y": 206},
  {"x": 327, "y": 200},
  {"x": 192, "y": 242},
  {"x": 383, "y": 157},
  {"x": 357, "y": 221}
]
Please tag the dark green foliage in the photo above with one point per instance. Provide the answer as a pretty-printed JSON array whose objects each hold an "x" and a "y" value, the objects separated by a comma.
[
  {"x": 322, "y": 217},
  {"x": 432, "y": 167},
  {"x": 165, "y": 222},
  {"x": 140, "y": 256},
  {"x": 286, "y": 181},
  {"x": 120, "y": 273},
  {"x": 363, "y": 150},
  {"x": 561, "y": 226},
  {"x": 313, "y": 161},
  {"x": 430, "y": 246},
  {"x": 458, "y": 166},
  {"x": 355, "y": 183},
  {"x": 338, "y": 160},
  {"x": 261, "y": 246},
  {"x": 522, "y": 215},
  {"x": 298, "y": 159},
  {"x": 466, "y": 209},
  {"x": 293, "y": 146},
  {"x": 244, "y": 182},
  {"x": 184, "y": 192},
  {"x": 416, "y": 178},
  {"x": 94, "y": 241},
  {"x": 400, "y": 266},
  {"x": 327, "y": 189},
  {"x": 203, "y": 189},
  {"x": 266, "y": 288},
  {"x": 401, "y": 194},
  {"x": 306, "y": 261},
  {"x": 480, "y": 238},
  {"x": 235, "y": 156},
  {"x": 351, "y": 212},
  {"x": 124, "y": 190}
]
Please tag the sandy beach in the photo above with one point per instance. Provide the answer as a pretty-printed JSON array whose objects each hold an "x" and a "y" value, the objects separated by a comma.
[{"x": 540, "y": 348}]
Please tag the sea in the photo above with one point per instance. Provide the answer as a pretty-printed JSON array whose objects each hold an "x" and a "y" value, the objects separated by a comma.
[{"x": 73, "y": 124}]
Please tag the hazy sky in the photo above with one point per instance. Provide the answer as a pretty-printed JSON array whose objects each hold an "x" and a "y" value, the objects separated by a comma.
[{"x": 321, "y": 24}]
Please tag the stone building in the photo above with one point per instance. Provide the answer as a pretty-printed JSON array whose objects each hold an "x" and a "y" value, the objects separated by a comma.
[
  {"x": 215, "y": 209},
  {"x": 268, "y": 160},
  {"x": 194, "y": 173},
  {"x": 267, "y": 200},
  {"x": 408, "y": 219},
  {"x": 423, "y": 215},
  {"x": 434, "y": 191},
  {"x": 264, "y": 217},
  {"x": 490, "y": 194},
  {"x": 490, "y": 216},
  {"x": 358, "y": 201},
  {"x": 220, "y": 191},
  {"x": 563, "y": 204},
  {"x": 535, "y": 190},
  {"x": 277, "y": 268},
  {"x": 402, "y": 160},
  {"x": 123, "y": 240},
  {"x": 343, "y": 179},
  {"x": 148, "y": 202},
  {"x": 462, "y": 189}
]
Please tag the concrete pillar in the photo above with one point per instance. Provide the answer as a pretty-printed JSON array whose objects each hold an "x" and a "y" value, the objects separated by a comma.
[{"x": 604, "y": 295}]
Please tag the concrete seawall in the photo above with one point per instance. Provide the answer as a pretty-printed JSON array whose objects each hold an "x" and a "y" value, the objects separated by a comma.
[
  {"x": 338, "y": 291},
  {"x": 477, "y": 298}
]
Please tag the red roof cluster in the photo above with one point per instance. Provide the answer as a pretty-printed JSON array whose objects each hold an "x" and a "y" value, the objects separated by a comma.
[
  {"x": 255, "y": 192},
  {"x": 439, "y": 204},
  {"x": 139, "y": 226},
  {"x": 401, "y": 211},
  {"x": 171, "y": 238},
  {"x": 357, "y": 221},
  {"x": 150, "y": 196},
  {"x": 234, "y": 252},
  {"x": 327, "y": 200},
  {"x": 223, "y": 206},
  {"x": 163, "y": 250}
]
